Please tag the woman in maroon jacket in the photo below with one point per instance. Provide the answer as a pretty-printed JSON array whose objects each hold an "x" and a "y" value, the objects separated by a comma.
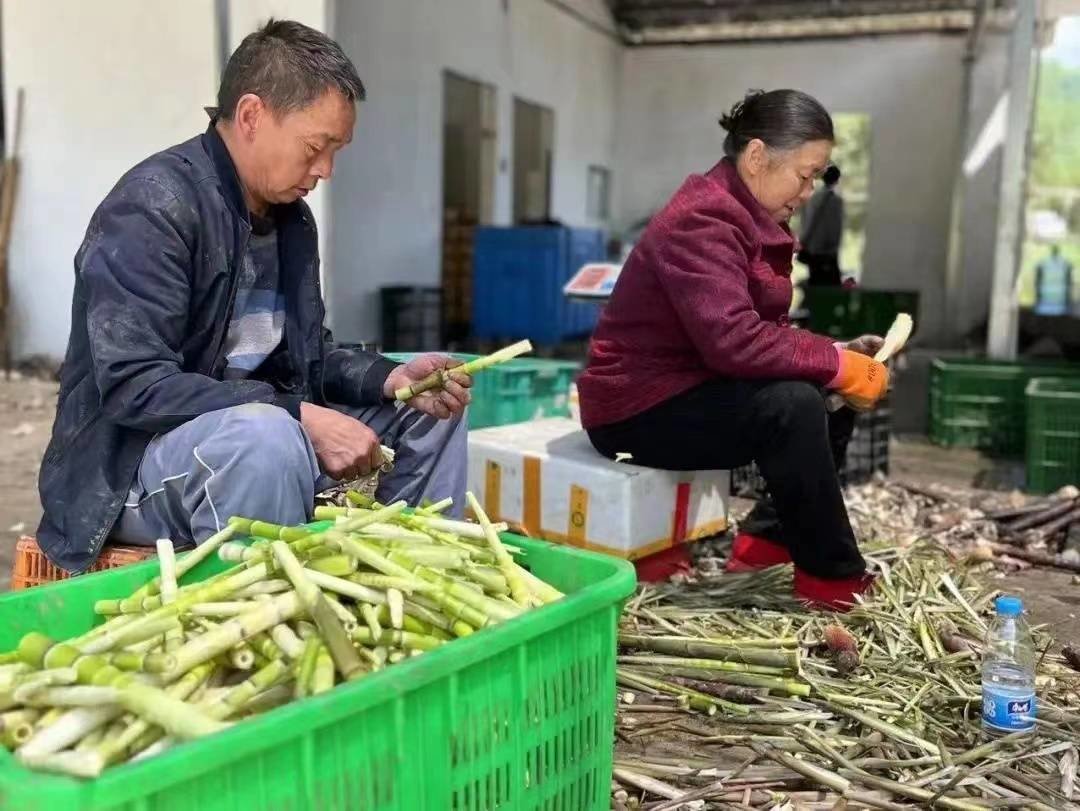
[{"x": 695, "y": 366}]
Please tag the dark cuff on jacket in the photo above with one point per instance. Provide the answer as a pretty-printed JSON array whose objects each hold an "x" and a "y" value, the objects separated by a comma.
[
  {"x": 290, "y": 402},
  {"x": 371, "y": 387}
]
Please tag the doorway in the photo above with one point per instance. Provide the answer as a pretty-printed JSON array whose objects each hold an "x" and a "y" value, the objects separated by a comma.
[
  {"x": 469, "y": 165},
  {"x": 534, "y": 145},
  {"x": 851, "y": 155}
]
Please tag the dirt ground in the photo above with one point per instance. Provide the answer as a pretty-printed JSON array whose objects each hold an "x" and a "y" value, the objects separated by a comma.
[
  {"x": 1052, "y": 597},
  {"x": 27, "y": 407},
  {"x": 26, "y": 413}
]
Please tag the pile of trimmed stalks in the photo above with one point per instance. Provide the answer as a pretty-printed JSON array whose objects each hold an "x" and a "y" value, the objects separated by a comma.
[
  {"x": 769, "y": 706},
  {"x": 300, "y": 612}
]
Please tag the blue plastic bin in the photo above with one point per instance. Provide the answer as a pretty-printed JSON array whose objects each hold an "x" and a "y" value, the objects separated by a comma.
[{"x": 518, "y": 276}]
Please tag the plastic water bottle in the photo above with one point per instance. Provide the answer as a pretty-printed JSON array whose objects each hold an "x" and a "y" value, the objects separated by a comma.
[{"x": 1008, "y": 671}]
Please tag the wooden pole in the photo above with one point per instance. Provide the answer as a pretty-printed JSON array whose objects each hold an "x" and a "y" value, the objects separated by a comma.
[{"x": 7, "y": 214}]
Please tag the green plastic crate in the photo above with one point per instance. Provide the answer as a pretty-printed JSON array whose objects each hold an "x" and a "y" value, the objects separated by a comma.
[
  {"x": 977, "y": 403},
  {"x": 518, "y": 716},
  {"x": 1053, "y": 433},
  {"x": 845, "y": 314},
  {"x": 519, "y": 390}
]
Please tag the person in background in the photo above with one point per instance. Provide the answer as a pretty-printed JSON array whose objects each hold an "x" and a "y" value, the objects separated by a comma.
[
  {"x": 694, "y": 364},
  {"x": 199, "y": 381},
  {"x": 822, "y": 231},
  {"x": 1053, "y": 284}
]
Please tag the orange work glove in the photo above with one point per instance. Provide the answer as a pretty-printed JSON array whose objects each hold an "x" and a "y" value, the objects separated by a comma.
[{"x": 861, "y": 380}]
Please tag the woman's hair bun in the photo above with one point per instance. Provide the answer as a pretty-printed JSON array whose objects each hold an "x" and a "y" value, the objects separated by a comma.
[{"x": 730, "y": 120}]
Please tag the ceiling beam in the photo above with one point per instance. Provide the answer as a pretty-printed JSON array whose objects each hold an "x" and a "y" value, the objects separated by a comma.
[
  {"x": 652, "y": 12},
  {"x": 1060, "y": 8},
  {"x": 867, "y": 25}
]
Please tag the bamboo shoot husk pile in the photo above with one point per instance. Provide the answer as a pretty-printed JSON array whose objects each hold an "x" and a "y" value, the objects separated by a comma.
[
  {"x": 1013, "y": 531},
  {"x": 299, "y": 612},
  {"x": 730, "y": 696}
]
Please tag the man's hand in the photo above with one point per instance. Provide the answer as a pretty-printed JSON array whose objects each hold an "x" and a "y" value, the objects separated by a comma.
[
  {"x": 443, "y": 403},
  {"x": 346, "y": 448},
  {"x": 866, "y": 345}
]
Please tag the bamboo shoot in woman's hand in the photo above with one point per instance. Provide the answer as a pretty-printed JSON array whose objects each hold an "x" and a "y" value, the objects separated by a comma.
[{"x": 895, "y": 339}]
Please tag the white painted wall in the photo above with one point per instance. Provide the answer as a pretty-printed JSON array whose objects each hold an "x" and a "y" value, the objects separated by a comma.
[
  {"x": 247, "y": 15},
  {"x": 103, "y": 91},
  {"x": 93, "y": 109},
  {"x": 387, "y": 187},
  {"x": 910, "y": 86}
]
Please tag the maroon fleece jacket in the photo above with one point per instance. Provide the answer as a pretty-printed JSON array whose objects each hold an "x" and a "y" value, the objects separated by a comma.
[{"x": 705, "y": 293}]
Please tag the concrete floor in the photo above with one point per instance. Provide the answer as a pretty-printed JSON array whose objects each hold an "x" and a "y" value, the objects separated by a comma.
[
  {"x": 26, "y": 414},
  {"x": 27, "y": 408}
]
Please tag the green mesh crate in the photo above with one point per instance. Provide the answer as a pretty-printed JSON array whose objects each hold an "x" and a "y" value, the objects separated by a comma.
[
  {"x": 980, "y": 403},
  {"x": 518, "y": 716},
  {"x": 844, "y": 313},
  {"x": 519, "y": 390},
  {"x": 1053, "y": 433}
]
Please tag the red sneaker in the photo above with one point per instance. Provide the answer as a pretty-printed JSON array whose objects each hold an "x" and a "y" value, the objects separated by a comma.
[
  {"x": 831, "y": 595},
  {"x": 750, "y": 553}
]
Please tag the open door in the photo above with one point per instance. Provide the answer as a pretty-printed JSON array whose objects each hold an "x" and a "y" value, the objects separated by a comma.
[
  {"x": 469, "y": 166},
  {"x": 534, "y": 147}
]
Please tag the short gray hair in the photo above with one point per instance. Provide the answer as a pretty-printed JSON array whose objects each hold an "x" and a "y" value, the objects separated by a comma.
[{"x": 288, "y": 65}]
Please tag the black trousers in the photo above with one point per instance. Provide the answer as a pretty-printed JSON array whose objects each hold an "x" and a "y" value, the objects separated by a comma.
[{"x": 784, "y": 427}]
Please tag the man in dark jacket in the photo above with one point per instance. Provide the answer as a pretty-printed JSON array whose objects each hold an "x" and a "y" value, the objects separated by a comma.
[
  {"x": 199, "y": 378},
  {"x": 822, "y": 231}
]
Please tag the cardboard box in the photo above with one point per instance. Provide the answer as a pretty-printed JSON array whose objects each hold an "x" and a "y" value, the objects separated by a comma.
[{"x": 545, "y": 477}]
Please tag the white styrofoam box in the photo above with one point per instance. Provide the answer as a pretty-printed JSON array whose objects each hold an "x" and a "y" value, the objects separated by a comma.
[{"x": 546, "y": 477}]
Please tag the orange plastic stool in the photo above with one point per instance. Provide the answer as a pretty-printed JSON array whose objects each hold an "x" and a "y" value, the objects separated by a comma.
[{"x": 32, "y": 568}]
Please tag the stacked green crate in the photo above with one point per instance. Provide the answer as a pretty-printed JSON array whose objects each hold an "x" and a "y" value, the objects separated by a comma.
[
  {"x": 977, "y": 403},
  {"x": 1053, "y": 433}
]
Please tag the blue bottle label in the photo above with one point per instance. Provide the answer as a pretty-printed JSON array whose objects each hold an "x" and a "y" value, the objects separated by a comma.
[{"x": 1007, "y": 711}]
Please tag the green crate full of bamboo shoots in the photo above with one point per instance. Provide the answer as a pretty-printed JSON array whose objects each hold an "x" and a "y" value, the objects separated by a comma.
[
  {"x": 515, "y": 715},
  {"x": 518, "y": 390}
]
